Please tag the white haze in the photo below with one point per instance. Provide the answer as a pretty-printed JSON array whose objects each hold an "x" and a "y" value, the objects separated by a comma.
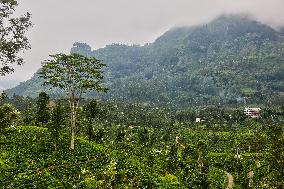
[{"x": 60, "y": 23}]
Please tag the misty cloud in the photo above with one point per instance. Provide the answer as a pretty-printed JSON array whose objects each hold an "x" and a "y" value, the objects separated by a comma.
[{"x": 58, "y": 24}]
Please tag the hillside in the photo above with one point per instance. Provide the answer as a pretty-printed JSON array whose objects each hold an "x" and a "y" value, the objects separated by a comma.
[
  {"x": 233, "y": 59},
  {"x": 149, "y": 148}
]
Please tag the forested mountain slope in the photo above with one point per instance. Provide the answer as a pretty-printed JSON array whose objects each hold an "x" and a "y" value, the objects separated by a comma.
[{"x": 232, "y": 59}]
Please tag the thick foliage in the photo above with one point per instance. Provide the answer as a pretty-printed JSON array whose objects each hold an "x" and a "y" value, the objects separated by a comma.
[
  {"x": 8, "y": 116},
  {"x": 231, "y": 60},
  {"x": 12, "y": 37}
]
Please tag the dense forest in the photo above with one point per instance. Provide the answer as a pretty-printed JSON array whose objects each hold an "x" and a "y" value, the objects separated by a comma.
[
  {"x": 126, "y": 145},
  {"x": 230, "y": 61},
  {"x": 169, "y": 115}
]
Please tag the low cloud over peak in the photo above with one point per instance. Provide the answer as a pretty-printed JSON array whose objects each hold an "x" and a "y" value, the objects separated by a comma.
[{"x": 58, "y": 24}]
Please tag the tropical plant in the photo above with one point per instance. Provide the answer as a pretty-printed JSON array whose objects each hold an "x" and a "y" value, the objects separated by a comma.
[
  {"x": 8, "y": 115},
  {"x": 42, "y": 113},
  {"x": 12, "y": 36},
  {"x": 75, "y": 74}
]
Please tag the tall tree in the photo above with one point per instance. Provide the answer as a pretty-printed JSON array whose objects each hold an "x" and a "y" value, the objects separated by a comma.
[
  {"x": 91, "y": 111},
  {"x": 3, "y": 97},
  {"x": 276, "y": 150},
  {"x": 8, "y": 115},
  {"x": 76, "y": 74},
  {"x": 12, "y": 36},
  {"x": 42, "y": 113},
  {"x": 57, "y": 122}
]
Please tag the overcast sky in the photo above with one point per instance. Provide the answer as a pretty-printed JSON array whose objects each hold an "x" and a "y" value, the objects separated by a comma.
[{"x": 60, "y": 23}]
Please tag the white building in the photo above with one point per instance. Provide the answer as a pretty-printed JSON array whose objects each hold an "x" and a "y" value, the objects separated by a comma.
[
  {"x": 198, "y": 120},
  {"x": 252, "y": 112}
]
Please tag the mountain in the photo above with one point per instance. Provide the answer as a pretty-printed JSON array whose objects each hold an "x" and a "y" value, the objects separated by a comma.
[{"x": 233, "y": 59}]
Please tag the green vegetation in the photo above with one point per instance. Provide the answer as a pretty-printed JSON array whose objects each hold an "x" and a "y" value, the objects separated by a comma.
[
  {"x": 126, "y": 145},
  {"x": 76, "y": 75},
  {"x": 7, "y": 116},
  {"x": 144, "y": 133},
  {"x": 13, "y": 40},
  {"x": 230, "y": 61},
  {"x": 42, "y": 114}
]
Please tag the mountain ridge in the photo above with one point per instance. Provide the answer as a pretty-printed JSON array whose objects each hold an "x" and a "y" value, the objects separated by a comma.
[{"x": 189, "y": 66}]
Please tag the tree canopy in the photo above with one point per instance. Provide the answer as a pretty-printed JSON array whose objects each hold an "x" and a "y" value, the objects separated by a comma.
[
  {"x": 13, "y": 38},
  {"x": 229, "y": 61},
  {"x": 76, "y": 74}
]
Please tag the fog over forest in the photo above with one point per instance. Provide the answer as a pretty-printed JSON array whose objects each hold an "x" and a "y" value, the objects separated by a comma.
[
  {"x": 58, "y": 24},
  {"x": 162, "y": 94}
]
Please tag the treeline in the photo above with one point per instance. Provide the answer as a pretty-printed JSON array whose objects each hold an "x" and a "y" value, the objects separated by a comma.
[
  {"x": 137, "y": 146},
  {"x": 39, "y": 110},
  {"x": 232, "y": 60}
]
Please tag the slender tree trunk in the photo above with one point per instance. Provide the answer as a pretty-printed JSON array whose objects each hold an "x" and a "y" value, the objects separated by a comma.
[
  {"x": 72, "y": 121},
  {"x": 74, "y": 105}
]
